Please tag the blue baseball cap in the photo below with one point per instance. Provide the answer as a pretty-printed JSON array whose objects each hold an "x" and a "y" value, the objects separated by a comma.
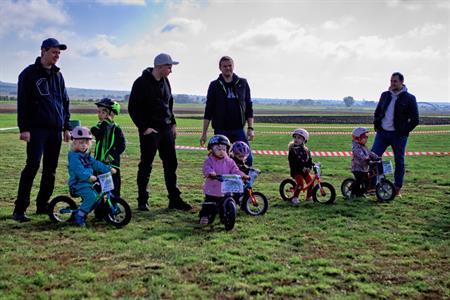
[
  {"x": 164, "y": 59},
  {"x": 53, "y": 43}
]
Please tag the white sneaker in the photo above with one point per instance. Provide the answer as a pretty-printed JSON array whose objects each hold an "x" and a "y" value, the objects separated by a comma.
[
  {"x": 204, "y": 221},
  {"x": 295, "y": 201},
  {"x": 309, "y": 200}
]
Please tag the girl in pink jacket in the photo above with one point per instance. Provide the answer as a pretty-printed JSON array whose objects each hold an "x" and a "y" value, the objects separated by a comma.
[{"x": 217, "y": 163}]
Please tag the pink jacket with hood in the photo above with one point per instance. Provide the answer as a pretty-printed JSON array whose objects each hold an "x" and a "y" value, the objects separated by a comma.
[{"x": 220, "y": 166}]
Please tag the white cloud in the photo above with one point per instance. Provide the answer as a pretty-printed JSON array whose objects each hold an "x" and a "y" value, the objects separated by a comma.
[
  {"x": 411, "y": 5},
  {"x": 339, "y": 24},
  {"x": 122, "y": 2},
  {"x": 18, "y": 16},
  {"x": 270, "y": 34},
  {"x": 183, "y": 25},
  {"x": 287, "y": 37},
  {"x": 425, "y": 30}
]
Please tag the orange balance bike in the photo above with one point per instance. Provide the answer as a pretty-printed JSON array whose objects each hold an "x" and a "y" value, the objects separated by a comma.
[{"x": 322, "y": 192}]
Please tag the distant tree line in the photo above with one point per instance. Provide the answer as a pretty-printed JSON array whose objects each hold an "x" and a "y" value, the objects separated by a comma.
[{"x": 7, "y": 98}]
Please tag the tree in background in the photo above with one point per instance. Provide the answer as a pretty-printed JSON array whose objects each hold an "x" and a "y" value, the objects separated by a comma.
[{"x": 349, "y": 101}]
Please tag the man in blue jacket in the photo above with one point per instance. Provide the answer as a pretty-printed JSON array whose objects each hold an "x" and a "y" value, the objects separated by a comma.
[
  {"x": 42, "y": 116},
  {"x": 229, "y": 106},
  {"x": 395, "y": 117}
]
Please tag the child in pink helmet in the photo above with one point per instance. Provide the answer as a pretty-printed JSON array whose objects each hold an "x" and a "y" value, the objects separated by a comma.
[
  {"x": 361, "y": 156},
  {"x": 81, "y": 166},
  {"x": 300, "y": 162}
]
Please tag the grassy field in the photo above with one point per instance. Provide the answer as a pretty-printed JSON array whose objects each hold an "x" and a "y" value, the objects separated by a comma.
[{"x": 349, "y": 250}]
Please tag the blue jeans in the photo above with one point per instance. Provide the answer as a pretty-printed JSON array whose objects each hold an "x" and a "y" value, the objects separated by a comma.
[
  {"x": 384, "y": 139},
  {"x": 236, "y": 135}
]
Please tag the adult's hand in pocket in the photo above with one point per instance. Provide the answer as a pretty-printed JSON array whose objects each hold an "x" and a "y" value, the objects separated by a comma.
[{"x": 149, "y": 131}]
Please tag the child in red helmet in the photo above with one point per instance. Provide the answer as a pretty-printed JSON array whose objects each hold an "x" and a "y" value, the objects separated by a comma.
[
  {"x": 81, "y": 166},
  {"x": 360, "y": 160},
  {"x": 300, "y": 162}
]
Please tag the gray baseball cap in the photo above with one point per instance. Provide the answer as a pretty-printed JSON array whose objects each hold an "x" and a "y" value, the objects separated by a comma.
[{"x": 164, "y": 59}]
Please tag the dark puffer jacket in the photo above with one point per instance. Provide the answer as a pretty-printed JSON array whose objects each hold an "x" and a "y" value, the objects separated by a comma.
[
  {"x": 406, "y": 113},
  {"x": 42, "y": 100}
]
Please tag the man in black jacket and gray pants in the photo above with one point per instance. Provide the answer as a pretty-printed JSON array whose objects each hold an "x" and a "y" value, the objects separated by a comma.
[
  {"x": 395, "y": 117},
  {"x": 151, "y": 109},
  {"x": 42, "y": 117}
]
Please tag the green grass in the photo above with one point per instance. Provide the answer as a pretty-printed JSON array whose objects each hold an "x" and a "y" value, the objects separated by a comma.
[{"x": 351, "y": 250}]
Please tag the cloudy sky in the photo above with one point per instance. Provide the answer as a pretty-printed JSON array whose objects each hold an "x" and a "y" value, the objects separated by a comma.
[{"x": 318, "y": 49}]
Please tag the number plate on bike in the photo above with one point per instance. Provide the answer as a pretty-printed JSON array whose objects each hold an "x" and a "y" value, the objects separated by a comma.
[
  {"x": 106, "y": 182},
  {"x": 387, "y": 167},
  {"x": 232, "y": 184}
]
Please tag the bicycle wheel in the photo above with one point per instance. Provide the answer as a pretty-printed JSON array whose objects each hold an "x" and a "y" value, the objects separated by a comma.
[
  {"x": 287, "y": 189},
  {"x": 229, "y": 213},
  {"x": 346, "y": 187},
  {"x": 385, "y": 191},
  {"x": 118, "y": 213},
  {"x": 326, "y": 195},
  {"x": 258, "y": 208},
  {"x": 62, "y": 209}
]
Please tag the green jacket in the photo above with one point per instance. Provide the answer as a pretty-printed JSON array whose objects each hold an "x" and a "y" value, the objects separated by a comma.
[{"x": 109, "y": 142}]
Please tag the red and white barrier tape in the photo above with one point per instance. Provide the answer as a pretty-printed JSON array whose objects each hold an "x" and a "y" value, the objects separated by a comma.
[
  {"x": 325, "y": 153},
  {"x": 322, "y": 132}
]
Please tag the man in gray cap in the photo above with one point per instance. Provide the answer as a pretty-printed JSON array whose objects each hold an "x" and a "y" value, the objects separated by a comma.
[
  {"x": 151, "y": 108},
  {"x": 42, "y": 116}
]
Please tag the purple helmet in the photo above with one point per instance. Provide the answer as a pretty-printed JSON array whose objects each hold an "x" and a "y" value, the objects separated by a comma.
[
  {"x": 81, "y": 133},
  {"x": 240, "y": 148}
]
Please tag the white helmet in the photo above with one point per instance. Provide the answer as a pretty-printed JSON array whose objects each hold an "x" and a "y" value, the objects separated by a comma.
[
  {"x": 301, "y": 132},
  {"x": 358, "y": 132}
]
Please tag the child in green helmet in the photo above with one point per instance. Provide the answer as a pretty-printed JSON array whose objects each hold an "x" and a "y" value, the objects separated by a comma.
[{"x": 109, "y": 139}]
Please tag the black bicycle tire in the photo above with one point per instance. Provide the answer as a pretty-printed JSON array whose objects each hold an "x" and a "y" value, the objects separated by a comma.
[
  {"x": 378, "y": 192},
  {"x": 328, "y": 186},
  {"x": 282, "y": 188},
  {"x": 247, "y": 201},
  {"x": 344, "y": 185},
  {"x": 109, "y": 219},
  {"x": 54, "y": 215}
]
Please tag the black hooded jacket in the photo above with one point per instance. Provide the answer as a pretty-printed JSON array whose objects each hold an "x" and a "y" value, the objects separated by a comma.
[
  {"x": 151, "y": 102},
  {"x": 42, "y": 100}
]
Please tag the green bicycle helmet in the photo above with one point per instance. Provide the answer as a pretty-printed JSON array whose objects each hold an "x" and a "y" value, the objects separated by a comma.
[{"x": 109, "y": 104}]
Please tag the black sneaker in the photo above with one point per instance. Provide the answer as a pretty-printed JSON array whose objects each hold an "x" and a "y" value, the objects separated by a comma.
[
  {"x": 21, "y": 217},
  {"x": 144, "y": 207},
  {"x": 179, "y": 204}
]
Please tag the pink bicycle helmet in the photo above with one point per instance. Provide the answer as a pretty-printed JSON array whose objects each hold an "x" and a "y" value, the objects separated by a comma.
[
  {"x": 240, "y": 148},
  {"x": 81, "y": 133},
  {"x": 301, "y": 132}
]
